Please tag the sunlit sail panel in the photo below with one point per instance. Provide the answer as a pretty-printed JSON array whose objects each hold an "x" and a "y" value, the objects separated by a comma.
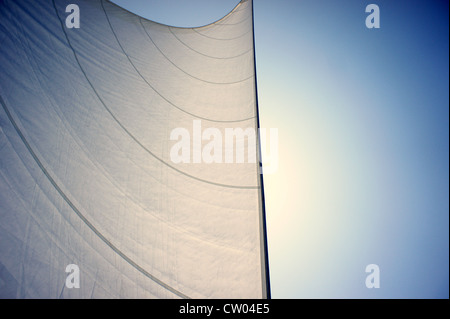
[{"x": 87, "y": 177}]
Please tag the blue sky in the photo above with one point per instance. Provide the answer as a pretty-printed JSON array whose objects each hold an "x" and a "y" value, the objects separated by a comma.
[{"x": 363, "y": 121}]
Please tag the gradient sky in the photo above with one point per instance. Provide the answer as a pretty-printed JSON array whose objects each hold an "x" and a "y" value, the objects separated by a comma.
[{"x": 363, "y": 122}]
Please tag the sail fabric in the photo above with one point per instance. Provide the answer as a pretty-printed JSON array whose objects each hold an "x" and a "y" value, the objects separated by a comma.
[{"x": 87, "y": 174}]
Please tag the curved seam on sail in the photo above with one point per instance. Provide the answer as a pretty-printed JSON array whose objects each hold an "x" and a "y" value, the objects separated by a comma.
[
  {"x": 156, "y": 91},
  {"x": 207, "y": 36},
  {"x": 194, "y": 77},
  {"x": 218, "y": 23},
  {"x": 20, "y": 204},
  {"x": 240, "y": 9},
  {"x": 51, "y": 237},
  {"x": 208, "y": 56},
  {"x": 129, "y": 133},
  {"x": 78, "y": 212}
]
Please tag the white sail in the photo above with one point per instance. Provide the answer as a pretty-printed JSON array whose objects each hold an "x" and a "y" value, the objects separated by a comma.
[{"x": 86, "y": 174}]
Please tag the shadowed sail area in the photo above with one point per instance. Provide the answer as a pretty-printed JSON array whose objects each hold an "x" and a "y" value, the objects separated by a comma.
[{"x": 86, "y": 171}]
